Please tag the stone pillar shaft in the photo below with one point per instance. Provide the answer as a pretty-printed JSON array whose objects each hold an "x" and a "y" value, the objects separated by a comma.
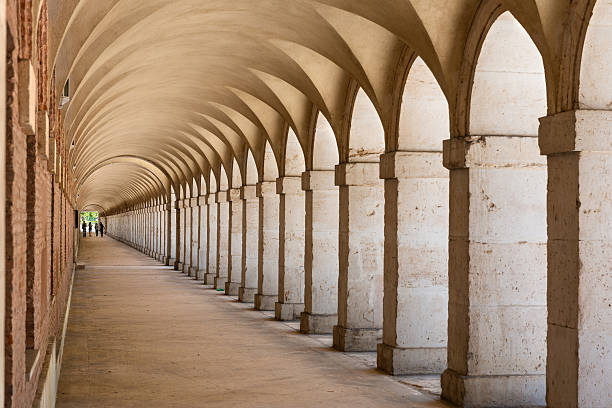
[
  {"x": 578, "y": 147},
  {"x": 213, "y": 234},
  {"x": 321, "y": 253},
  {"x": 235, "y": 270},
  {"x": 250, "y": 244},
  {"x": 290, "y": 304},
  {"x": 267, "y": 265},
  {"x": 361, "y": 240},
  {"x": 223, "y": 231},
  {"x": 497, "y": 272},
  {"x": 203, "y": 232},
  {"x": 415, "y": 307}
]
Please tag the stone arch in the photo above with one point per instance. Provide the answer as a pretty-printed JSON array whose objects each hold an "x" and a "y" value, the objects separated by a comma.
[
  {"x": 366, "y": 140},
  {"x": 595, "y": 81},
  {"x": 236, "y": 174},
  {"x": 497, "y": 239},
  {"x": 325, "y": 150},
  {"x": 212, "y": 179},
  {"x": 270, "y": 165},
  {"x": 252, "y": 174},
  {"x": 416, "y": 230},
  {"x": 294, "y": 156},
  {"x": 223, "y": 181}
]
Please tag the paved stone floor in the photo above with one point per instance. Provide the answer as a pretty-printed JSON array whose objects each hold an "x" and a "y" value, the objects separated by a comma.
[{"x": 143, "y": 335}]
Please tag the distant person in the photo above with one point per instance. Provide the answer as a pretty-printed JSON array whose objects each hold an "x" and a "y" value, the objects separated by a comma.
[
  {"x": 101, "y": 230},
  {"x": 84, "y": 226},
  {"x": 96, "y": 227},
  {"x": 90, "y": 228}
]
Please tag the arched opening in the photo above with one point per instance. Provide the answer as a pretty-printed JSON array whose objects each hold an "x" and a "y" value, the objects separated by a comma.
[
  {"x": 267, "y": 268},
  {"x": 223, "y": 232},
  {"x": 290, "y": 302},
  {"x": 416, "y": 232},
  {"x": 497, "y": 267},
  {"x": 321, "y": 234},
  {"x": 236, "y": 208},
  {"x": 361, "y": 232},
  {"x": 578, "y": 144},
  {"x": 250, "y": 233}
]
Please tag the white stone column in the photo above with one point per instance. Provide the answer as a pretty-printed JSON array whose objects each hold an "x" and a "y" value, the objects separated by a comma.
[
  {"x": 235, "y": 263},
  {"x": 321, "y": 253},
  {"x": 497, "y": 272},
  {"x": 182, "y": 228},
  {"x": 267, "y": 264},
  {"x": 415, "y": 306},
  {"x": 250, "y": 244},
  {"x": 194, "y": 263},
  {"x": 187, "y": 235},
  {"x": 361, "y": 239},
  {"x": 174, "y": 215},
  {"x": 203, "y": 245},
  {"x": 213, "y": 235},
  {"x": 578, "y": 145},
  {"x": 167, "y": 216},
  {"x": 223, "y": 254},
  {"x": 290, "y": 304}
]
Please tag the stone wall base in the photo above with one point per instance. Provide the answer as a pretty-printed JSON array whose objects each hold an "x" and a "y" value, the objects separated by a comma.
[
  {"x": 494, "y": 390},
  {"x": 231, "y": 288},
  {"x": 317, "y": 323},
  {"x": 246, "y": 295},
  {"x": 265, "y": 302},
  {"x": 356, "y": 339},
  {"x": 288, "y": 311},
  {"x": 404, "y": 361}
]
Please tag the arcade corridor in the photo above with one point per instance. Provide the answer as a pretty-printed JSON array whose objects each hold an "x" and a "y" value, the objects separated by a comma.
[{"x": 175, "y": 343}]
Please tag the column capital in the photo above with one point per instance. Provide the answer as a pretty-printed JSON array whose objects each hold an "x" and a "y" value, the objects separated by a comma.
[
  {"x": 402, "y": 164},
  {"x": 211, "y": 198},
  {"x": 222, "y": 196},
  {"x": 248, "y": 192},
  {"x": 574, "y": 131},
  {"x": 266, "y": 188},
  {"x": 193, "y": 202},
  {"x": 233, "y": 194},
  {"x": 289, "y": 185},
  {"x": 357, "y": 174},
  {"x": 319, "y": 180},
  {"x": 491, "y": 151},
  {"x": 202, "y": 200}
]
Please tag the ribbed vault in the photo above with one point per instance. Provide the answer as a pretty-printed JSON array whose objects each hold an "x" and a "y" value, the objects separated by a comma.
[{"x": 184, "y": 87}]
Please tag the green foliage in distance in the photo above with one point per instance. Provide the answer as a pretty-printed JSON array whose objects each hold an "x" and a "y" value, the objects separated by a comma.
[{"x": 89, "y": 216}]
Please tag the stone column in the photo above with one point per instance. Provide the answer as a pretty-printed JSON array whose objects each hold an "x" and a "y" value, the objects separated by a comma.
[
  {"x": 187, "y": 236},
  {"x": 497, "y": 272},
  {"x": 183, "y": 229},
  {"x": 360, "y": 249},
  {"x": 203, "y": 246},
  {"x": 235, "y": 262},
  {"x": 321, "y": 253},
  {"x": 194, "y": 257},
  {"x": 290, "y": 304},
  {"x": 177, "y": 233},
  {"x": 250, "y": 244},
  {"x": 267, "y": 264},
  {"x": 213, "y": 234},
  {"x": 578, "y": 146},
  {"x": 173, "y": 233},
  {"x": 415, "y": 306},
  {"x": 167, "y": 244},
  {"x": 223, "y": 254}
]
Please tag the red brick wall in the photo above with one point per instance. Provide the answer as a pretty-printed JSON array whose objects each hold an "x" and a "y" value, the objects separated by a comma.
[{"x": 39, "y": 230}]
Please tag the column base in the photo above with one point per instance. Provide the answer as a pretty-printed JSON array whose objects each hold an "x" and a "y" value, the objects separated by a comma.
[
  {"x": 265, "y": 302},
  {"x": 220, "y": 282},
  {"x": 231, "y": 288},
  {"x": 191, "y": 271},
  {"x": 199, "y": 274},
  {"x": 356, "y": 339},
  {"x": 247, "y": 295},
  {"x": 404, "y": 361},
  {"x": 178, "y": 266},
  {"x": 288, "y": 311},
  {"x": 494, "y": 390},
  {"x": 209, "y": 279},
  {"x": 186, "y": 268},
  {"x": 167, "y": 261},
  {"x": 172, "y": 262},
  {"x": 317, "y": 323}
]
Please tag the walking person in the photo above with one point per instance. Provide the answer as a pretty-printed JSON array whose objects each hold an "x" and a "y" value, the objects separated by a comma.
[
  {"x": 96, "y": 227},
  {"x": 90, "y": 228},
  {"x": 101, "y": 230},
  {"x": 84, "y": 226}
]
